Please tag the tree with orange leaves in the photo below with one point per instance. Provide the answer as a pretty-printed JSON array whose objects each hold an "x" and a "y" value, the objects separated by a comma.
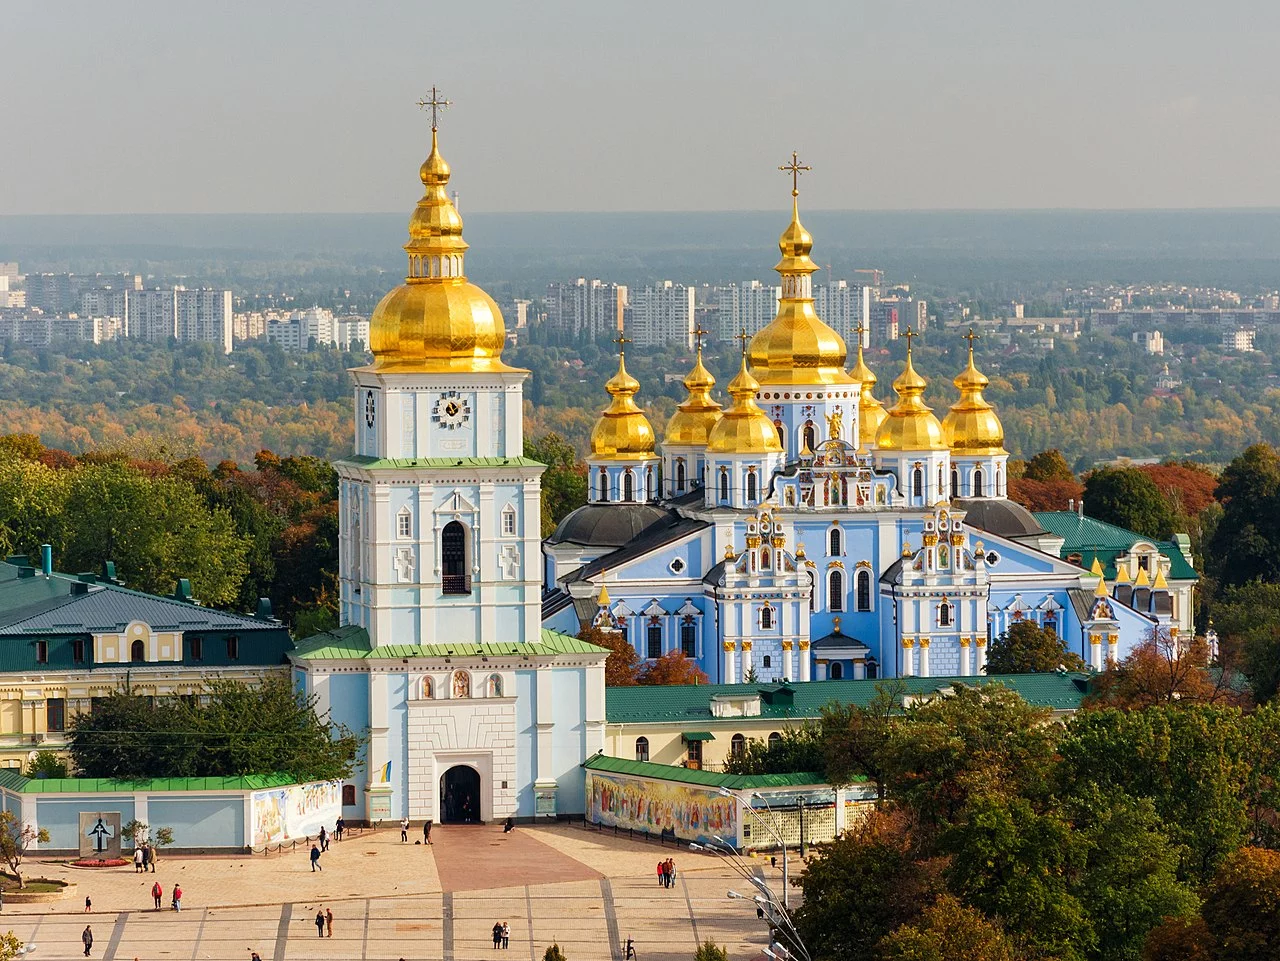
[
  {"x": 672, "y": 668},
  {"x": 1166, "y": 668},
  {"x": 623, "y": 664}
]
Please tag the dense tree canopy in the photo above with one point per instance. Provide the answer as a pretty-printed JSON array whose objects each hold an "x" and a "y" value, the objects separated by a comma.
[
  {"x": 1027, "y": 648},
  {"x": 1128, "y": 498}
]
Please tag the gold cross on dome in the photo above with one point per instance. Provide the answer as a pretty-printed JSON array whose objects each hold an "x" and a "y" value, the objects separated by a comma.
[
  {"x": 909, "y": 334},
  {"x": 795, "y": 168},
  {"x": 622, "y": 340},
  {"x": 970, "y": 337},
  {"x": 436, "y": 104},
  {"x": 698, "y": 334},
  {"x": 744, "y": 337}
]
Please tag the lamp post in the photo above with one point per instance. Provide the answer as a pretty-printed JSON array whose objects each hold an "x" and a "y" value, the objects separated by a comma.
[
  {"x": 783, "y": 933},
  {"x": 773, "y": 832}
]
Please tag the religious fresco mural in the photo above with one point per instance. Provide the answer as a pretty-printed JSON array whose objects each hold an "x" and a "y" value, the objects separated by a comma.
[
  {"x": 656, "y": 806},
  {"x": 296, "y": 811}
]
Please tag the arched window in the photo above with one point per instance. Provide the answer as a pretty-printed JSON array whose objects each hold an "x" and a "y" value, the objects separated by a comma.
[
  {"x": 348, "y": 795},
  {"x": 689, "y": 636},
  {"x": 977, "y": 482},
  {"x": 774, "y": 738},
  {"x": 999, "y": 490},
  {"x": 766, "y": 618},
  {"x": 833, "y": 542},
  {"x": 751, "y": 486},
  {"x": 944, "y": 614},
  {"x": 461, "y": 684},
  {"x": 642, "y": 749},
  {"x": 836, "y": 671},
  {"x": 863, "y": 584},
  {"x": 724, "y": 484},
  {"x": 494, "y": 685},
  {"x": 138, "y": 652},
  {"x": 653, "y": 638},
  {"x": 766, "y": 661},
  {"x": 810, "y": 434},
  {"x": 648, "y": 483},
  {"x": 453, "y": 559},
  {"x": 428, "y": 689},
  {"x": 602, "y": 486},
  {"x": 404, "y": 523},
  {"x": 835, "y": 590},
  {"x": 917, "y": 482},
  {"x": 941, "y": 486},
  {"x": 628, "y": 486},
  {"x": 680, "y": 474},
  {"x": 737, "y": 745},
  {"x": 955, "y": 482}
]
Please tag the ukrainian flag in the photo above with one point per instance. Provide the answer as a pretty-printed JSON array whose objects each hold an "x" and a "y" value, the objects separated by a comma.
[{"x": 384, "y": 773}]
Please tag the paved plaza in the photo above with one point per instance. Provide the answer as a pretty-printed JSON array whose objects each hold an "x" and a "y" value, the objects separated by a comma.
[{"x": 589, "y": 891}]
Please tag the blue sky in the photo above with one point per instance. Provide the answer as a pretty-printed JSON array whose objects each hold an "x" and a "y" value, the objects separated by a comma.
[{"x": 150, "y": 107}]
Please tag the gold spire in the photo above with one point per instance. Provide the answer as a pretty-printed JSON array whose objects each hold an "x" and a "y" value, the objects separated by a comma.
[
  {"x": 1142, "y": 580},
  {"x": 971, "y": 425},
  {"x": 1122, "y": 573},
  {"x": 744, "y": 428},
  {"x": 691, "y": 424},
  {"x": 1096, "y": 568},
  {"x": 797, "y": 348},
  {"x": 436, "y": 320},
  {"x": 603, "y": 599},
  {"x": 910, "y": 424},
  {"x": 871, "y": 412},
  {"x": 623, "y": 432},
  {"x": 1101, "y": 589},
  {"x": 1160, "y": 584}
]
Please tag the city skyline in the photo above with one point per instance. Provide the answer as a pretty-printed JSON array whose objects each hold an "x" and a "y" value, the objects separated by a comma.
[{"x": 914, "y": 106}]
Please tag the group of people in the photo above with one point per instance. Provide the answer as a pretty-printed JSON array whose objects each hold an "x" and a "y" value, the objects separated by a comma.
[
  {"x": 144, "y": 857},
  {"x": 324, "y": 919},
  {"x": 404, "y": 831},
  {"x": 501, "y": 935},
  {"x": 667, "y": 873},
  {"x": 157, "y": 895}
]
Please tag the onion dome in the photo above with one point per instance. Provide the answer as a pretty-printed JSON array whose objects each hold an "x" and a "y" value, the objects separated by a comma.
[
  {"x": 871, "y": 413},
  {"x": 744, "y": 428},
  {"x": 436, "y": 321},
  {"x": 909, "y": 424},
  {"x": 797, "y": 348},
  {"x": 971, "y": 426},
  {"x": 691, "y": 424},
  {"x": 623, "y": 432}
]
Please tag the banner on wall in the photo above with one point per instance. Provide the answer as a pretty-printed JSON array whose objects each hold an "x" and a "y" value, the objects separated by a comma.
[
  {"x": 296, "y": 811},
  {"x": 692, "y": 813}
]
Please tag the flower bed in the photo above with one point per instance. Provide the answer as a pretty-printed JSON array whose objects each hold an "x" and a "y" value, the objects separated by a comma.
[{"x": 101, "y": 862}]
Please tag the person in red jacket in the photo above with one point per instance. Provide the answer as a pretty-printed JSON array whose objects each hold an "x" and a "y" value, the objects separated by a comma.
[{"x": 157, "y": 892}]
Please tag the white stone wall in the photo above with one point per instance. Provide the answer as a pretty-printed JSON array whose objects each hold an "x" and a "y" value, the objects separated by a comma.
[{"x": 479, "y": 732}]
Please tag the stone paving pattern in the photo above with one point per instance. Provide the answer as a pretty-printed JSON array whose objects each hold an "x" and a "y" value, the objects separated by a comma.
[{"x": 587, "y": 890}]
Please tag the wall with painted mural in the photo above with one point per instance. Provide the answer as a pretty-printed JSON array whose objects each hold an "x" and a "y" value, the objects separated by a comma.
[
  {"x": 692, "y": 813},
  {"x": 295, "y": 812}
]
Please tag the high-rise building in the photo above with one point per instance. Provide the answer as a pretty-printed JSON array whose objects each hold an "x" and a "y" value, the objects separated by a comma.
[
  {"x": 845, "y": 307},
  {"x": 884, "y": 320},
  {"x": 152, "y": 314},
  {"x": 351, "y": 332},
  {"x": 9, "y": 268},
  {"x": 105, "y": 302},
  {"x": 593, "y": 307},
  {"x": 49, "y": 292},
  {"x": 749, "y": 306},
  {"x": 204, "y": 316},
  {"x": 662, "y": 314}
]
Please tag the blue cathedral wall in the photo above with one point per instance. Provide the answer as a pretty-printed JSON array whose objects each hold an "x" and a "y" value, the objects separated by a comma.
[
  {"x": 398, "y": 741},
  {"x": 199, "y": 822},
  {"x": 569, "y": 738},
  {"x": 349, "y": 705},
  {"x": 526, "y": 740}
]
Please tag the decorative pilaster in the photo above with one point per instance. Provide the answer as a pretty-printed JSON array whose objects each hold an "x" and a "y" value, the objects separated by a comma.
[
  {"x": 924, "y": 657},
  {"x": 966, "y": 644},
  {"x": 804, "y": 661},
  {"x": 981, "y": 643},
  {"x": 746, "y": 659},
  {"x": 908, "y": 657},
  {"x": 729, "y": 648},
  {"x": 1095, "y": 651},
  {"x": 1113, "y": 642},
  {"x": 787, "y": 673}
]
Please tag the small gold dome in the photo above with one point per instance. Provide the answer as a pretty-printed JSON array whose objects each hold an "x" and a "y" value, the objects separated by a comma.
[
  {"x": 744, "y": 428},
  {"x": 436, "y": 320},
  {"x": 623, "y": 432},
  {"x": 797, "y": 348},
  {"x": 909, "y": 424},
  {"x": 691, "y": 424},
  {"x": 971, "y": 426},
  {"x": 871, "y": 413}
]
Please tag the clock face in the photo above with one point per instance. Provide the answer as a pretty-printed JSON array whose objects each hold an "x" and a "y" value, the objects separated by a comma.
[
  {"x": 452, "y": 410},
  {"x": 370, "y": 408}
]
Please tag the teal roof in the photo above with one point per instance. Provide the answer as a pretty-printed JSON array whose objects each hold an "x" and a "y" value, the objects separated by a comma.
[
  {"x": 11, "y": 780},
  {"x": 408, "y": 463},
  {"x": 691, "y": 703},
  {"x": 684, "y": 775},
  {"x": 350, "y": 642},
  {"x": 1092, "y": 538}
]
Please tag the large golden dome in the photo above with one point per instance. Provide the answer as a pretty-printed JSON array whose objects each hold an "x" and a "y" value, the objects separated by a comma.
[
  {"x": 909, "y": 424},
  {"x": 436, "y": 320},
  {"x": 797, "y": 348},
  {"x": 871, "y": 413},
  {"x": 691, "y": 424},
  {"x": 744, "y": 428},
  {"x": 971, "y": 426},
  {"x": 623, "y": 432}
]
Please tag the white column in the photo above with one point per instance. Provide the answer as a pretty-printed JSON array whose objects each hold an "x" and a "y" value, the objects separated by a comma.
[
  {"x": 1113, "y": 649},
  {"x": 981, "y": 643},
  {"x": 908, "y": 657},
  {"x": 729, "y": 648},
  {"x": 859, "y": 674},
  {"x": 1095, "y": 651},
  {"x": 965, "y": 644},
  {"x": 805, "y": 661},
  {"x": 746, "y": 658},
  {"x": 924, "y": 657},
  {"x": 787, "y": 654}
]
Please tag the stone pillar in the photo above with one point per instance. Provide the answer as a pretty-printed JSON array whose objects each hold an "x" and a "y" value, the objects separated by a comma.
[
  {"x": 746, "y": 658},
  {"x": 966, "y": 643},
  {"x": 981, "y": 644},
  {"x": 1113, "y": 649},
  {"x": 924, "y": 657},
  {"x": 821, "y": 669},
  {"x": 1095, "y": 651},
  {"x": 908, "y": 657},
  {"x": 804, "y": 661},
  {"x": 788, "y": 673},
  {"x": 729, "y": 648},
  {"x": 859, "y": 670}
]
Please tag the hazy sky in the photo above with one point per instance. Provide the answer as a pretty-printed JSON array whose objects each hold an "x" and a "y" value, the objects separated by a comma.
[{"x": 179, "y": 106}]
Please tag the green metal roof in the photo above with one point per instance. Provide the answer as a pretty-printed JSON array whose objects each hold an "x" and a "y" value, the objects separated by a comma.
[
  {"x": 1091, "y": 538},
  {"x": 345, "y": 643},
  {"x": 684, "y": 775},
  {"x": 691, "y": 703},
  {"x": 698, "y": 736},
  {"x": 408, "y": 463},
  {"x": 11, "y": 780}
]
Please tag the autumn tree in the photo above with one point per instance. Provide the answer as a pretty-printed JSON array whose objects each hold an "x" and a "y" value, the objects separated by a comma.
[
  {"x": 16, "y": 839},
  {"x": 1247, "y": 620},
  {"x": 794, "y": 749},
  {"x": 1164, "y": 669},
  {"x": 1055, "y": 495},
  {"x": 1027, "y": 648},
  {"x": 1048, "y": 465},
  {"x": 1242, "y": 907},
  {"x": 946, "y": 931},
  {"x": 672, "y": 668},
  {"x": 1128, "y": 498},
  {"x": 1187, "y": 486},
  {"x": 622, "y": 667}
]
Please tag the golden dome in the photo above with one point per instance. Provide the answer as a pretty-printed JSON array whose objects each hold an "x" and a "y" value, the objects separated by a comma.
[
  {"x": 871, "y": 413},
  {"x": 744, "y": 428},
  {"x": 623, "y": 432},
  {"x": 909, "y": 424},
  {"x": 797, "y": 348},
  {"x": 691, "y": 424},
  {"x": 436, "y": 320},
  {"x": 971, "y": 426}
]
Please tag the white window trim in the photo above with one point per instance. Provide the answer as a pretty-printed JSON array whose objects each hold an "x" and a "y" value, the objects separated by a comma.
[{"x": 401, "y": 516}]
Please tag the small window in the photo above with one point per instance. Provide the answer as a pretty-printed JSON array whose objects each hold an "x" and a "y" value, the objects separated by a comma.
[
  {"x": 766, "y": 661},
  {"x": 495, "y": 685},
  {"x": 836, "y": 672},
  {"x": 348, "y": 795},
  {"x": 628, "y": 486},
  {"x": 1051, "y": 625},
  {"x": 834, "y": 542},
  {"x": 693, "y": 751},
  {"x": 404, "y": 523},
  {"x": 774, "y": 738},
  {"x": 944, "y": 614},
  {"x": 77, "y": 651},
  {"x": 977, "y": 482},
  {"x": 1144, "y": 563},
  {"x": 195, "y": 648},
  {"x": 1075, "y": 559},
  {"x": 864, "y": 589},
  {"x": 917, "y": 482},
  {"x": 724, "y": 484},
  {"x": 955, "y": 482},
  {"x": 766, "y": 618},
  {"x": 680, "y": 475},
  {"x": 55, "y": 709},
  {"x": 233, "y": 648},
  {"x": 602, "y": 486},
  {"x": 654, "y": 638},
  {"x": 42, "y": 652},
  {"x": 689, "y": 637},
  {"x": 509, "y": 522},
  {"x": 138, "y": 652},
  {"x": 737, "y": 745},
  {"x": 835, "y": 590},
  {"x": 642, "y": 749},
  {"x": 751, "y": 486}
]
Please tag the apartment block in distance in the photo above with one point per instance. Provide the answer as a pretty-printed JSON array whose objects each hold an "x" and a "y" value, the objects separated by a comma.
[
  {"x": 593, "y": 307},
  {"x": 662, "y": 314}
]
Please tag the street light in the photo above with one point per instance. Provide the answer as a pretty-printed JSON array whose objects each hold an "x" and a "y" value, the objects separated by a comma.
[
  {"x": 771, "y": 828},
  {"x": 766, "y": 902}
]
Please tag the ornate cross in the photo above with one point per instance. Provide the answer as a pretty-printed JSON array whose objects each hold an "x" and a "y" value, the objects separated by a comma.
[
  {"x": 435, "y": 105},
  {"x": 795, "y": 168},
  {"x": 698, "y": 334},
  {"x": 970, "y": 337},
  {"x": 744, "y": 337},
  {"x": 909, "y": 334},
  {"x": 622, "y": 340}
]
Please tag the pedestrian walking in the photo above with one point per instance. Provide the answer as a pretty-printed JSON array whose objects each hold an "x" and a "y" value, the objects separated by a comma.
[
  {"x": 88, "y": 904},
  {"x": 426, "y": 831},
  {"x": 497, "y": 934},
  {"x": 87, "y": 938},
  {"x": 404, "y": 829},
  {"x": 157, "y": 892},
  {"x": 662, "y": 873},
  {"x": 315, "y": 859},
  {"x": 631, "y": 950},
  {"x": 154, "y": 855},
  {"x": 671, "y": 872},
  {"x": 328, "y": 923},
  {"x": 319, "y": 923},
  {"x": 177, "y": 897},
  {"x": 254, "y": 956},
  {"x": 137, "y": 860},
  {"x": 506, "y": 935},
  {"x": 338, "y": 828}
]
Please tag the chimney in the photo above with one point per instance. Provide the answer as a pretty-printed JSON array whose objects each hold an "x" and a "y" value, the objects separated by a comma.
[
  {"x": 263, "y": 613},
  {"x": 1080, "y": 508},
  {"x": 1071, "y": 504},
  {"x": 46, "y": 559},
  {"x": 183, "y": 591}
]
